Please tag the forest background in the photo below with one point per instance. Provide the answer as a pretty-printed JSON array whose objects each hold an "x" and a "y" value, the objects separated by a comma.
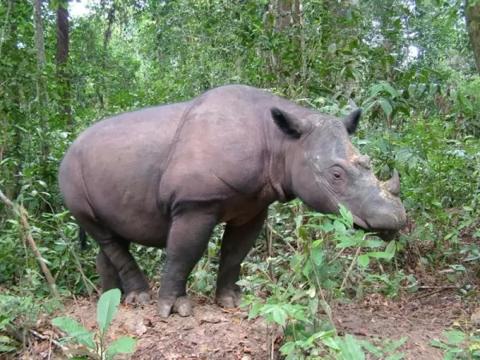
[{"x": 413, "y": 66}]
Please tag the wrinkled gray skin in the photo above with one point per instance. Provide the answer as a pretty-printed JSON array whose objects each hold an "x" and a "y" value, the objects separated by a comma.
[{"x": 165, "y": 176}]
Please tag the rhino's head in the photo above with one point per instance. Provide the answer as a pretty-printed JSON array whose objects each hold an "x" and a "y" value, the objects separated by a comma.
[{"x": 326, "y": 170}]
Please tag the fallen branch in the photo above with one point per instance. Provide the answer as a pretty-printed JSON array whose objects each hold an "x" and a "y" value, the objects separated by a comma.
[
  {"x": 437, "y": 290},
  {"x": 20, "y": 211},
  {"x": 48, "y": 338}
]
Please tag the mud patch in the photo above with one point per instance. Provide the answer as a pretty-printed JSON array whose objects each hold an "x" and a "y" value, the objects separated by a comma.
[
  {"x": 211, "y": 333},
  {"x": 418, "y": 319},
  {"x": 214, "y": 333}
]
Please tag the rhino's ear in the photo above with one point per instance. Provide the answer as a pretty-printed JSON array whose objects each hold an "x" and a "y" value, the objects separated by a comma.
[
  {"x": 351, "y": 121},
  {"x": 288, "y": 123}
]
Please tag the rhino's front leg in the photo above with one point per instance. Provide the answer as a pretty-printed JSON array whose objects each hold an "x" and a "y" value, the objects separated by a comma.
[
  {"x": 187, "y": 239},
  {"x": 236, "y": 243}
]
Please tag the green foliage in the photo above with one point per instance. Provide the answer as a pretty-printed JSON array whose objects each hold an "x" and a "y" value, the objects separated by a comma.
[
  {"x": 95, "y": 343},
  {"x": 18, "y": 315},
  {"x": 440, "y": 181},
  {"x": 459, "y": 345},
  {"x": 407, "y": 63},
  {"x": 318, "y": 269}
]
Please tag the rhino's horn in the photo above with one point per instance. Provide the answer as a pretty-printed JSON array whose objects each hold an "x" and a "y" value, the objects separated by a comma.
[{"x": 393, "y": 185}]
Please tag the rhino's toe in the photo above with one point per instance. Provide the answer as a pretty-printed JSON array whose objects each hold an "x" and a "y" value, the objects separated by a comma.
[
  {"x": 164, "y": 307},
  {"x": 183, "y": 306},
  {"x": 229, "y": 299},
  {"x": 137, "y": 298},
  {"x": 180, "y": 305}
]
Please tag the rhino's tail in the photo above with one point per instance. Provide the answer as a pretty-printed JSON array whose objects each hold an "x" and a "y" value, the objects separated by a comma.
[{"x": 82, "y": 236}]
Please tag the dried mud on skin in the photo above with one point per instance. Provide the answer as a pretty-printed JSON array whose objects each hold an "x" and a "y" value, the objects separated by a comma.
[{"x": 214, "y": 333}]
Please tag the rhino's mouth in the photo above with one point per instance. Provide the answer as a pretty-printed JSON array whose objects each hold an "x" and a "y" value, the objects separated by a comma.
[
  {"x": 361, "y": 223},
  {"x": 383, "y": 234}
]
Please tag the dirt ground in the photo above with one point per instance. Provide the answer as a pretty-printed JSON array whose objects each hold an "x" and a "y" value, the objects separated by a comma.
[{"x": 214, "y": 333}]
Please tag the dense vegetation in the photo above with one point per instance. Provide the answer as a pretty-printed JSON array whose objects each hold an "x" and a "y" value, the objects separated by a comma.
[{"x": 409, "y": 64}]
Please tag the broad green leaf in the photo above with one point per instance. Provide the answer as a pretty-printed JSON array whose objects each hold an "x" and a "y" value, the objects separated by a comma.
[
  {"x": 255, "y": 310},
  {"x": 395, "y": 344},
  {"x": 287, "y": 348},
  {"x": 350, "y": 349},
  {"x": 339, "y": 226},
  {"x": 279, "y": 315},
  {"x": 375, "y": 90},
  {"x": 372, "y": 349},
  {"x": 317, "y": 256},
  {"x": 380, "y": 255},
  {"x": 389, "y": 89},
  {"x": 454, "y": 337},
  {"x": 363, "y": 260},
  {"x": 386, "y": 106},
  {"x": 107, "y": 308},
  {"x": 438, "y": 344},
  {"x": 332, "y": 342},
  {"x": 123, "y": 345},
  {"x": 5, "y": 346},
  {"x": 374, "y": 243},
  {"x": 321, "y": 335},
  {"x": 75, "y": 330},
  {"x": 276, "y": 313},
  {"x": 391, "y": 248},
  {"x": 346, "y": 215},
  {"x": 347, "y": 241}
]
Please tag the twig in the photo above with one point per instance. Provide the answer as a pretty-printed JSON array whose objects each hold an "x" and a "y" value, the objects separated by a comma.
[
  {"x": 49, "y": 338},
  {"x": 270, "y": 251},
  {"x": 275, "y": 232},
  {"x": 349, "y": 270},
  {"x": 23, "y": 215},
  {"x": 439, "y": 289},
  {"x": 87, "y": 282}
]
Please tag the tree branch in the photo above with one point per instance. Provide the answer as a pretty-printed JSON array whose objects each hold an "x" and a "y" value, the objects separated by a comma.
[{"x": 20, "y": 211}]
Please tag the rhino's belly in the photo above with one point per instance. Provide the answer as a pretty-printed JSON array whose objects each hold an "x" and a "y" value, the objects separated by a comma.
[{"x": 141, "y": 228}]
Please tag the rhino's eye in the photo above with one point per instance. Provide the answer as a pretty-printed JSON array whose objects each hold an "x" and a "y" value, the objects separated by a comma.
[{"x": 337, "y": 173}]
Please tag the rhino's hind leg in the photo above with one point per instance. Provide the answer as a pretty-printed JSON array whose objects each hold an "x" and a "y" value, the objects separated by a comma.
[
  {"x": 236, "y": 243},
  {"x": 132, "y": 280},
  {"x": 109, "y": 278},
  {"x": 116, "y": 266},
  {"x": 187, "y": 240}
]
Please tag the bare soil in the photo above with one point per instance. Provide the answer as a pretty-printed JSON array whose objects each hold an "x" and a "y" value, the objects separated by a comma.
[
  {"x": 214, "y": 333},
  {"x": 420, "y": 318}
]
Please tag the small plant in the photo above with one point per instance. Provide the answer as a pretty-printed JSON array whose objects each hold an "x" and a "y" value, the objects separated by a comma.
[
  {"x": 325, "y": 254},
  {"x": 94, "y": 344},
  {"x": 459, "y": 345},
  {"x": 17, "y": 315}
]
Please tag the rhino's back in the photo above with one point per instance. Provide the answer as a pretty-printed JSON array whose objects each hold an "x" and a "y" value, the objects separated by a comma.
[{"x": 116, "y": 165}]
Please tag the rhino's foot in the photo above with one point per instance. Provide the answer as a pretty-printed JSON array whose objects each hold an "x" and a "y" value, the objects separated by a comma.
[
  {"x": 137, "y": 298},
  {"x": 181, "y": 305},
  {"x": 229, "y": 298}
]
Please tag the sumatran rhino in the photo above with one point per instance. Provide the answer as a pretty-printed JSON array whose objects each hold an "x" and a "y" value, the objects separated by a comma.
[{"x": 165, "y": 176}]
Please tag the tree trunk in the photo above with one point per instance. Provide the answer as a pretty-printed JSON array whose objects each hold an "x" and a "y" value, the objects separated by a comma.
[
  {"x": 62, "y": 60},
  {"x": 41, "y": 88},
  {"x": 107, "y": 35},
  {"x": 41, "y": 59},
  {"x": 472, "y": 16}
]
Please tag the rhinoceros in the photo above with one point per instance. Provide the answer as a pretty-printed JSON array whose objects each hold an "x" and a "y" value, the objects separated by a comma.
[{"x": 165, "y": 176}]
